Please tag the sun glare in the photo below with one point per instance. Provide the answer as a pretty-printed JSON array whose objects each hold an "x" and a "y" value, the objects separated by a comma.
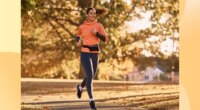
[{"x": 139, "y": 24}]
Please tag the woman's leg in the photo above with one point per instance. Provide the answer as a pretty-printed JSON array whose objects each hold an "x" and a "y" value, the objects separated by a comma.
[
  {"x": 80, "y": 87},
  {"x": 86, "y": 62},
  {"x": 83, "y": 83},
  {"x": 95, "y": 62}
]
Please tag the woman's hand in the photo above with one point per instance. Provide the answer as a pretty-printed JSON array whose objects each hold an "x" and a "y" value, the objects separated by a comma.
[
  {"x": 78, "y": 44},
  {"x": 94, "y": 31}
]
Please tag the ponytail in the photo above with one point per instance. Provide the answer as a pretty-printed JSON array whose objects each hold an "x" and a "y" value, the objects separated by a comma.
[{"x": 99, "y": 11}]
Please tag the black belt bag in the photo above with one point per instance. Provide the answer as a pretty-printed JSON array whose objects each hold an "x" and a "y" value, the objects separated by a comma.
[{"x": 92, "y": 48}]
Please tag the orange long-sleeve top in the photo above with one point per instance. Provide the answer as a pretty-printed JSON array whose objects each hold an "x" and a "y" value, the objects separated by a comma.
[{"x": 88, "y": 38}]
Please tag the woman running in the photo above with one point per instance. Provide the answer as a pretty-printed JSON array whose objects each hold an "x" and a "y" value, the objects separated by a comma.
[{"x": 91, "y": 32}]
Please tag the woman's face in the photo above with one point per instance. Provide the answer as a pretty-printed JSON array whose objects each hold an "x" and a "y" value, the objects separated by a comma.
[{"x": 91, "y": 14}]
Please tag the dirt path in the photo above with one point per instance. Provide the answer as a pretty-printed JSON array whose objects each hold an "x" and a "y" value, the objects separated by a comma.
[{"x": 61, "y": 95}]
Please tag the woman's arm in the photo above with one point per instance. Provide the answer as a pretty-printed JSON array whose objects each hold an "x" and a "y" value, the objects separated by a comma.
[
  {"x": 102, "y": 37},
  {"x": 102, "y": 33},
  {"x": 77, "y": 37},
  {"x": 96, "y": 33},
  {"x": 78, "y": 41}
]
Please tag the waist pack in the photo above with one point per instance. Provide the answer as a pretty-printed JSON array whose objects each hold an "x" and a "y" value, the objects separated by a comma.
[{"x": 92, "y": 48}]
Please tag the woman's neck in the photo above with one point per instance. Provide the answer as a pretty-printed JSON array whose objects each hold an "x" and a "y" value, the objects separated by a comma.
[{"x": 89, "y": 20}]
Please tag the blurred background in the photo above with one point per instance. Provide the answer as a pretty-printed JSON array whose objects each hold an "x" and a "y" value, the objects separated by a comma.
[{"x": 143, "y": 45}]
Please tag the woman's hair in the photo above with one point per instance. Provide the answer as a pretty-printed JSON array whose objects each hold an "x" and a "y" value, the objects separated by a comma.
[
  {"x": 90, "y": 9},
  {"x": 99, "y": 11}
]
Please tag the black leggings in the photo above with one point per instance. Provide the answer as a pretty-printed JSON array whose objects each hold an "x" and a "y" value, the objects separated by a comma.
[{"x": 89, "y": 62}]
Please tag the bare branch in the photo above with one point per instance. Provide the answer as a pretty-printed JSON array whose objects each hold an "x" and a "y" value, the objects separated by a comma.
[
  {"x": 71, "y": 34},
  {"x": 60, "y": 9},
  {"x": 68, "y": 20},
  {"x": 62, "y": 39}
]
